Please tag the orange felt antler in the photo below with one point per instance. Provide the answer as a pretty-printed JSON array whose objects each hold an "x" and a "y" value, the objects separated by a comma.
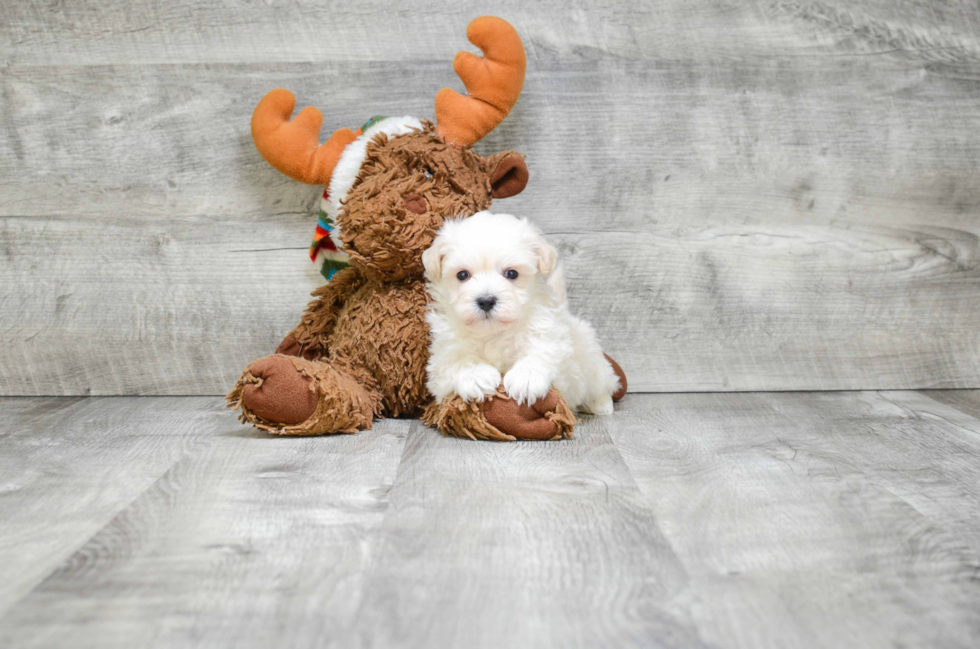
[
  {"x": 293, "y": 146},
  {"x": 493, "y": 83}
]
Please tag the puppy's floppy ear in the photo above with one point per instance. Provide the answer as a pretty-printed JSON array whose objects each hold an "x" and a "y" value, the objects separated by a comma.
[
  {"x": 432, "y": 260},
  {"x": 534, "y": 238},
  {"x": 547, "y": 257}
]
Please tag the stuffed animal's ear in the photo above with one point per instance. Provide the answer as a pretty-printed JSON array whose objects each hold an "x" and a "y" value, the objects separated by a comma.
[
  {"x": 432, "y": 261},
  {"x": 547, "y": 257},
  {"x": 509, "y": 176}
]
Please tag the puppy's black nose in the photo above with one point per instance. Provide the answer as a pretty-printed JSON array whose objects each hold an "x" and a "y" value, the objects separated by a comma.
[{"x": 486, "y": 302}]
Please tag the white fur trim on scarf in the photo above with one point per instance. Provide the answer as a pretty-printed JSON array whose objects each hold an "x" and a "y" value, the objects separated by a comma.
[{"x": 349, "y": 165}]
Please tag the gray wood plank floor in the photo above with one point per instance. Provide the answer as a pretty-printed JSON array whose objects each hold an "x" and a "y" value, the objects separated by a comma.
[{"x": 684, "y": 520}]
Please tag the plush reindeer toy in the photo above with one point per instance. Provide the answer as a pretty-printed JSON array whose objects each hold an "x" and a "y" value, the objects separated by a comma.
[{"x": 361, "y": 347}]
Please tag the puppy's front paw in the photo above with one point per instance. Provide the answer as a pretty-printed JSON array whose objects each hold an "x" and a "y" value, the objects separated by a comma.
[
  {"x": 473, "y": 383},
  {"x": 526, "y": 384}
]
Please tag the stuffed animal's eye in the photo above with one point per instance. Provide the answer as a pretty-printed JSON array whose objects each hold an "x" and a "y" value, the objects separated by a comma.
[
  {"x": 510, "y": 274},
  {"x": 463, "y": 275}
]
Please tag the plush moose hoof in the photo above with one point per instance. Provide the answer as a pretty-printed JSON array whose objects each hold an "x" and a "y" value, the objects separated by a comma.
[
  {"x": 500, "y": 418},
  {"x": 281, "y": 394},
  {"x": 524, "y": 421},
  {"x": 289, "y": 395}
]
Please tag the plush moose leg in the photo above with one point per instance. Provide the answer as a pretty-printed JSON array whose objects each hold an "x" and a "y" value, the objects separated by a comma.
[
  {"x": 289, "y": 395},
  {"x": 500, "y": 418}
]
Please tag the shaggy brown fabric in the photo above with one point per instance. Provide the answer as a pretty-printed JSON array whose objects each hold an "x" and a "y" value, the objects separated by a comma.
[
  {"x": 362, "y": 345},
  {"x": 318, "y": 321},
  {"x": 501, "y": 419},
  {"x": 385, "y": 240},
  {"x": 621, "y": 392},
  {"x": 349, "y": 409}
]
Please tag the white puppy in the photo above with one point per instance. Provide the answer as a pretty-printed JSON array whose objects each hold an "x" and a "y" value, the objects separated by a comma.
[{"x": 493, "y": 313}]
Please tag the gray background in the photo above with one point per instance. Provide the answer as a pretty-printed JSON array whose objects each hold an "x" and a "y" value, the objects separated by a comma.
[{"x": 747, "y": 195}]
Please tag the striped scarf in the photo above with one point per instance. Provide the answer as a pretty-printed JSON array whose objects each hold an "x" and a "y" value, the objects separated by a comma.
[{"x": 323, "y": 245}]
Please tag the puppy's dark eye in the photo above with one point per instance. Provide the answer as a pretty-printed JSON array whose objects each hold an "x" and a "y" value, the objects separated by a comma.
[
  {"x": 510, "y": 274},
  {"x": 463, "y": 275}
]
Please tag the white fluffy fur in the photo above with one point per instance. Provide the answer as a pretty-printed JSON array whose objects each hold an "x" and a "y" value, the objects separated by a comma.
[
  {"x": 529, "y": 337},
  {"x": 351, "y": 159}
]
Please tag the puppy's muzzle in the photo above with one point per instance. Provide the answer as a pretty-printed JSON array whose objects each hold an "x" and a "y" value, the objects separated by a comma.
[{"x": 486, "y": 303}]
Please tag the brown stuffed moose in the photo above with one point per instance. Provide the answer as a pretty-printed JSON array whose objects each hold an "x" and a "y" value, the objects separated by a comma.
[{"x": 361, "y": 347}]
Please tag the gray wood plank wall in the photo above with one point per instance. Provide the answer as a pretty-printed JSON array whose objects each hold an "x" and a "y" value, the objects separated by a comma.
[{"x": 748, "y": 195}]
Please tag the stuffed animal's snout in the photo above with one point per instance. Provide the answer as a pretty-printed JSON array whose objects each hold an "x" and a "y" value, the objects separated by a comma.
[{"x": 415, "y": 204}]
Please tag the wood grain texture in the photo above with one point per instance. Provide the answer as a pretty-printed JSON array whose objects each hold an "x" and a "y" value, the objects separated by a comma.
[
  {"x": 69, "y": 466},
  {"x": 808, "y": 519},
  {"x": 747, "y": 196},
  {"x": 916, "y": 448},
  {"x": 966, "y": 401},
  {"x": 251, "y": 541},
  {"x": 89, "y": 32},
  {"x": 505, "y": 545},
  {"x": 683, "y": 520}
]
